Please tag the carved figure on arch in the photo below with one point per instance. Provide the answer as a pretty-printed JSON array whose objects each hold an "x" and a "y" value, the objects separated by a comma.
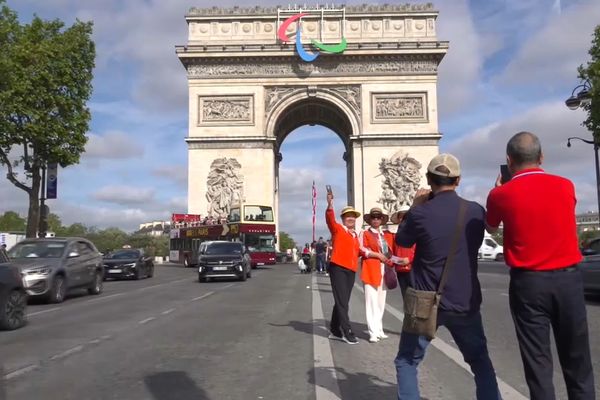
[
  {"x": 224, "y": 186},
  {"x": 401, "y": 180}
]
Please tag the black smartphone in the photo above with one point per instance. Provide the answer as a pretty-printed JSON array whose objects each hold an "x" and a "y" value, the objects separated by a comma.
[
  {"x": 328, "y": 187},
  {"x": 505, "y": 173}
]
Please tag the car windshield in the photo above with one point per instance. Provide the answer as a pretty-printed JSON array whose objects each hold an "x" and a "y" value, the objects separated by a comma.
[
  {"x": 124, "y": 254},
  {"x": 224, "y": 248},
  {"x": 37, "y": 250}
]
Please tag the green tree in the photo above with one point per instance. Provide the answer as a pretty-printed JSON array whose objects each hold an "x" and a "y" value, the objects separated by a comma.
[
  {"x": 591, "y": 72},
  {"x": 10, "y": 221},
  {"x": 55, "y": 224},
  {"x": 45, "y": 82},
  {"x": 286, "y": 241}
]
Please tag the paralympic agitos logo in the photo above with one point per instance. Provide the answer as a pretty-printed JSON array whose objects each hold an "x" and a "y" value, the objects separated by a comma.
[{"x": 305, "y": 55}]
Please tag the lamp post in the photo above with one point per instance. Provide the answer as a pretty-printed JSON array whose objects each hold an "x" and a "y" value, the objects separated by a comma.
[{"x": 584, "y": 97}]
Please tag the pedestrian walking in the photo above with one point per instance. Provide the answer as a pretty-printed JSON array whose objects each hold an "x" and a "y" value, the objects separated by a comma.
[
  {"x": 537, "y": 211},
  {"x": 376, "y": 250},
  {"x": 447, "y": 231},
  {"x": 407, "y": 253},
  {"x": 3, "y": 254},
  {"x": 343, "y": 267},
  {"x": 321, "y": 254}
]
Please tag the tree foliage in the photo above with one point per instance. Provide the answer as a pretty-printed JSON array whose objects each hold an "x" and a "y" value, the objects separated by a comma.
[
  {"x": 45, "y": 83},
  {"x": 591, "y": 72},
  {"x": 10, "y": 221},
  {"x": 286, "y": 241}
]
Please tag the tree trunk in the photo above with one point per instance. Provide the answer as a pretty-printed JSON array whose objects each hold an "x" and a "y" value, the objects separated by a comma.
[{"x": 33, "y": 216}]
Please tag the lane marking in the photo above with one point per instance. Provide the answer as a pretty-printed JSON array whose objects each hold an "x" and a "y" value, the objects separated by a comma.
[
  {"x": 203, "y": 296},
  {"x": 507, "y": 391},
  {"x": 43, "y": 311},
  {"x": 104, "y": 298},
  {"x": 67, "y": 353},
  {"x": 21, "y": 371},
  {"x": 227, "y": 286},
  {"x": 326, "y": 384},
  {"x": 145, "y": 321},
  {"x": 169, "y": 311},
  {"x": 504, "y": 294}
]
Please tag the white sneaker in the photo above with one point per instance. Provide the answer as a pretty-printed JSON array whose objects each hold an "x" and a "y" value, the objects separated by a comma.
[
  {"x": 373, "y": 339},
  {"x": 383, "y": 336}
]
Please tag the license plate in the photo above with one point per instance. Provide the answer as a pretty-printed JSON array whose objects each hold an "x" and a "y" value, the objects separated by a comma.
[
  {"x": 219, "y": 268},
  {"x": 115, "y": 271},
  {"x": 260, "y": 263}
]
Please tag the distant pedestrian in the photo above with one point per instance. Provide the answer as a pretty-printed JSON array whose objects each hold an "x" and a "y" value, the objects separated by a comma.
[
  {"x": 546, "y": 289},
  {"x": 321, "y": 254},
  {"x": 376, "y": 249},
  {"x": 3, "y": 254},
  {"x": 439, "y": 220},
  {"x": 344, "y": 263}
]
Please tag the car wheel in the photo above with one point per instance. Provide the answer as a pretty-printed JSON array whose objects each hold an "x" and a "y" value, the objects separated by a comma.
[
  {"x": 151, "y": 272},
  {"x": 249, "y": 275},
  {"x": 201, "y": 279},
  {"x": 12, "y": 314},
  {"x": 138, "y": 275},
  {"x": 243, "y": 277},
  {"x": 58, "y": 290},
  {"x": 500, "y": 257},
  {"x": 97, "y": 285}
]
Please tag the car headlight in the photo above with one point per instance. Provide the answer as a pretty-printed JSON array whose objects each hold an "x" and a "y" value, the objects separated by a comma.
[
  {"x": 38, "y": 271},
  {"x": 132, "y": 265}
]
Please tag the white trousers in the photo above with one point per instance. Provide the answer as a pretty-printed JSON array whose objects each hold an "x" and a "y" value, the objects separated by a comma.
[{"x": 375, "y": 307}]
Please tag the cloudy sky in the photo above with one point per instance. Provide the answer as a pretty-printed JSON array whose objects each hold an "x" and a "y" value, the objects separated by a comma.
[{"x": 510, "y": 66}]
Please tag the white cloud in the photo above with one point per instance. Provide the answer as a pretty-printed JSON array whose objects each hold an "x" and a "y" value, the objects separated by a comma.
[
  {"x": 482, "y": 151},
  {"x": 551, "y": 55},
  {"x": 124, "y": 195},
  {"x": 175, "y": 173},
  {"x": 112, "y": 145}
]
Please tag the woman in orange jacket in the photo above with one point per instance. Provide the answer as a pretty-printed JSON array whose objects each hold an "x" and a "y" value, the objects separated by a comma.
[{"x": 376, "y": 249}]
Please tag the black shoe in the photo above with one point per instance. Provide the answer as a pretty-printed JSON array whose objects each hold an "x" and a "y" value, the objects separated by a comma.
[
  {"x": 335, "y": 335},
  {"x": 350, "y": 338}
]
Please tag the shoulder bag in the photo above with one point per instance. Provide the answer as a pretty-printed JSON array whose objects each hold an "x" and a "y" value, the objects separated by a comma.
[{"x": 421, "y": 306}]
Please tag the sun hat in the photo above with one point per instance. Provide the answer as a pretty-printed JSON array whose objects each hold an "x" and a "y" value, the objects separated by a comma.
[
  {"x": 376, "y": 211},
  {"x": 349, "y": 210},
  {"x": 395, "y": 218}
]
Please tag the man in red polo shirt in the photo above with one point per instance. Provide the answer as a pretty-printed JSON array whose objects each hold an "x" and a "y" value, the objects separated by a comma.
[{"x": 546, "y": 289}]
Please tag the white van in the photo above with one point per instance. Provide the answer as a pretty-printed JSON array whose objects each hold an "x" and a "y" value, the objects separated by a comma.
[{"x": 490, "y": 249}]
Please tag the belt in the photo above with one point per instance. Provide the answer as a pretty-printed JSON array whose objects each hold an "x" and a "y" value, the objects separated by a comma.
[{"x": 572, "y": 268}]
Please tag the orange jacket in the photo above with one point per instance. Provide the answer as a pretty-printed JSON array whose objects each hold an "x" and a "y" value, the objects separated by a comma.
[
  {"x": 402, "y": 252},
  {"x": 370, "y": 272},
  {"x": 345, "y": 243}
]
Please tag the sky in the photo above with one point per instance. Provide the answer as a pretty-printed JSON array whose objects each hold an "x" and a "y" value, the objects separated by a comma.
[{"x": 510, "y": 66}]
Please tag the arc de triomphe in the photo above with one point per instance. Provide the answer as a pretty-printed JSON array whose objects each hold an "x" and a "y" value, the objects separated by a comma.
[{"x": 374, "y": 83}]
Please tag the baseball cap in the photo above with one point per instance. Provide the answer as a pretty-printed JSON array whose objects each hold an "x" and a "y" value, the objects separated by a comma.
[{"x": 444, "y": 165}]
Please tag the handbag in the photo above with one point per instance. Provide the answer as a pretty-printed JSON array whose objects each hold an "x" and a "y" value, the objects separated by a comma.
[
  {"x": 421, "y": 306},
  {"x": 389, "y": 278}
]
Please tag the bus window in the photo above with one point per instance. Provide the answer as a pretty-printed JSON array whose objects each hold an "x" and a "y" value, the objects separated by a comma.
[
  {"x": 260, "y": 243},
  {"x": 258, "y": 213},
  {"x": 234, "y": 215}
]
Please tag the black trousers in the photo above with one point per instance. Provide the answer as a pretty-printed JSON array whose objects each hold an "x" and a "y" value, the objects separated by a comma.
[
  {"x": 544, "y": 299},
  {"x": 403, "y": 281},
  {"x": 342, "y": 281}
]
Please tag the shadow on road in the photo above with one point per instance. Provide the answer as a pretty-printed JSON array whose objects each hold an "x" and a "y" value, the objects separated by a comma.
[
  {"x": 592, "y": 299},
  {"x": 174, "y": 385},
  {"x": 357, "y": 386},
  {"x": 305, "y": 327}
]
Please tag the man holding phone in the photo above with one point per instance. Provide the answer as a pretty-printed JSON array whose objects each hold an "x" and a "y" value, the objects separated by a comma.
[{"x": 546, "y": 288}]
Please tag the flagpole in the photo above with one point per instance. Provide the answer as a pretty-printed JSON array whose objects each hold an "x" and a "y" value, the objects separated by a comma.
[{"x": 314, "y": 210}]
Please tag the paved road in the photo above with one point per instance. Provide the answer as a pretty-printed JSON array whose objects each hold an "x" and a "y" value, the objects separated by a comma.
[{"x": 170, "y": 337}]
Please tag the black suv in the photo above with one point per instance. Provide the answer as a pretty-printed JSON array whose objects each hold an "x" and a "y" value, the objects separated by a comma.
[{"x": 221, "y": 259}]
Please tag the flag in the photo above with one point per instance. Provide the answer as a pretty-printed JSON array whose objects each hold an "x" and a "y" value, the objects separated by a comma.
[{"x": 314, "y": 210}]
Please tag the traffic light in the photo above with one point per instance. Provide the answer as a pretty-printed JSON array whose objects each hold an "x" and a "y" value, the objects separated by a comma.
[{"x": 43, "y": 225}]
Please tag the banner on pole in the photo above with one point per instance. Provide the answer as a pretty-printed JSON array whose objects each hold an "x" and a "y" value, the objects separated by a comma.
[
  {"x": 314, "y": 210},
  {"x": 51, "y": 180}
]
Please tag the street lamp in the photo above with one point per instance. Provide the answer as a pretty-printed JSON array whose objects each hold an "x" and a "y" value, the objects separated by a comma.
[{"x": 584, "y": 97}]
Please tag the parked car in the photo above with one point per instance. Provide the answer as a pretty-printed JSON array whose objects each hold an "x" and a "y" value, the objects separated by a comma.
[
  {"x": 590, "y": 266},
  {"x": 51, "y": 267},
  {"x": 221, "y": 259},
  {"x": 128, "y": 263},
  {"x": 13, "y": 298},
  {"x": 490, "y": 249}
]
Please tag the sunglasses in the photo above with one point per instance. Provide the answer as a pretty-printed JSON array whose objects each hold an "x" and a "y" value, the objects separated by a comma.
[{"x": 376, "y": 217}]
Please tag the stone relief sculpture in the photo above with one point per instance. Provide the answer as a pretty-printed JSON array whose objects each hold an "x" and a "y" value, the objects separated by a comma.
[
  {"x": 402, "y": 178},
  {"x": 226, "y": 110},
  {"x": 275, "y": 94},
  {"x": 399, "y": 107},
  {"x": 224, "y": 185}
]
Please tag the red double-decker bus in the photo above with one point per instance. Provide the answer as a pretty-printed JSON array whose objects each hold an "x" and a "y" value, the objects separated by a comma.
[{"x": 252, "y": 225}]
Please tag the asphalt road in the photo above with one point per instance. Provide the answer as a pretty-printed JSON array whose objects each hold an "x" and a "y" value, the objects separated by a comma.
[{"x": 170, "y": 338}]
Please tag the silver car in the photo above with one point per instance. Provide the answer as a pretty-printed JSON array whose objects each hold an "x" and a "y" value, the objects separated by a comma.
[{"x": 52, "y": 266}]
